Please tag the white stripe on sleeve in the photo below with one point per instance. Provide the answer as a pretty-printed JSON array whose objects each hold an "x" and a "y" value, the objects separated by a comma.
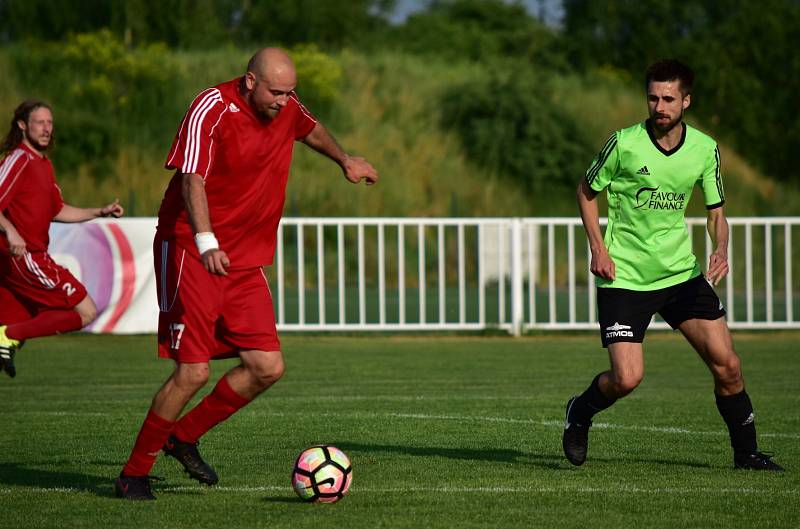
[
  {"x": 193, "y": 140},
  {"x": 7, "y": 165},
  {"x": 303, "y": 108}
]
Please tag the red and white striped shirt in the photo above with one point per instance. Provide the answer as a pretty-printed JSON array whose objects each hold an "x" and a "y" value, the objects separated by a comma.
[
  {"x": 244, "y": 162},
  {"x": 29, "y": 197}
]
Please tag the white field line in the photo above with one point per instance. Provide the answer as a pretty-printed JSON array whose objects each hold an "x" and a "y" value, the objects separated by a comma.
[
  {"x": 459, "y": 418},
  {"x": 446, "y": 490},
  {"x": 496, "y": 490},
  {"x": 548, "y": 423}
]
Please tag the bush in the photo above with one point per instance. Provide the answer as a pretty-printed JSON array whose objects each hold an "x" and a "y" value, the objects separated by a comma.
[
  {"x": 318, "y": 78},
  {"x": 103, "y": 93},
  {"x": 106, "y": 95},
  {"x": 509, "y": 125}
]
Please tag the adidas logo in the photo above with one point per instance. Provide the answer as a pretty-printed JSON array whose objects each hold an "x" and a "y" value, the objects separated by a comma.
[
  {"x": 233, "y": 108},
  {"x": 643, "y": 171}
]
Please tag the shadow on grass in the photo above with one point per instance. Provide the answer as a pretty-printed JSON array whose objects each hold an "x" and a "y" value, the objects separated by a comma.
[
  {"x": 658, "y": 461},
  {"x": 13, "y": 474},
  {"x": 499, "y": 455}
]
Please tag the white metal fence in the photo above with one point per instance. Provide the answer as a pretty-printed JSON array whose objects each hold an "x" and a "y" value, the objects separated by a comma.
[{"x": 514, "y": 274}]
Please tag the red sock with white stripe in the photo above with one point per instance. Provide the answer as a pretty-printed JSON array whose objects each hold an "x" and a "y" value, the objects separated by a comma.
[
  {"x": 45, "y": 324},
  {"x": 154, "y": 433},
  {"x": 212, "y": 410}
]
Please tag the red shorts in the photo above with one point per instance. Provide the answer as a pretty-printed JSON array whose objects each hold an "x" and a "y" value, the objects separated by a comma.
[
  {"x": 204, "y": 315},
  {"x": 34, "y": 283}
]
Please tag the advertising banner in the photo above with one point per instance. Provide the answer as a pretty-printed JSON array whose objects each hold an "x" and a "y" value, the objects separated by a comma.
[{"x": 113, "y": 258}]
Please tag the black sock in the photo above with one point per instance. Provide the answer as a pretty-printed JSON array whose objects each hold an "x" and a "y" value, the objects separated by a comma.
[
  {"x": 590, "y": 402},
  {"x": 737, "y": 412}
]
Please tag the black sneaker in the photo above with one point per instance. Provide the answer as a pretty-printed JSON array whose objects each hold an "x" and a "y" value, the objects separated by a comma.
[
  {"x": 575, "y": 440},
  {"x": 7, "y": 361},
  {"x": 755, "y": 461},
  {"x": 134, "y": 487},
  {"x": 8, "y": 348},
  {"x": 189, "y": 457}
]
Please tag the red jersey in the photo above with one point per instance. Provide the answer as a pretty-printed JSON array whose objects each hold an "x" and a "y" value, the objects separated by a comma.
[
  {"x": 29, "y": 197},
  {"x": 244, "y": 161}
]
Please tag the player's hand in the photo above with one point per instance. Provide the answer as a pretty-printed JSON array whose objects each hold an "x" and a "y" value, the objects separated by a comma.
[
  {"x": 216, "y": 261},
  {"x": 603, "y": 265},
  {"x": 16, "y": 244},
  {"x": 717, "y": 267},
  {"x": 112, "y": 210},
  {"x": 356, "y": 169}
]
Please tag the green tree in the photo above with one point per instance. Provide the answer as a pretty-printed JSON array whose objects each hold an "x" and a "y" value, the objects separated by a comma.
[
  {"x": 742, "y": 51},
  {"x": 323, "y": 22},
  {"x": 479, "y": 30},
  {"x": 199, "y": 23},
  {"x": 48, "y": 20},
  {"x": 178, "y": 23}
]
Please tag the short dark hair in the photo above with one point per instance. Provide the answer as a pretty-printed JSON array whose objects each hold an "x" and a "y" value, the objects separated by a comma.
[
  {"x": 670, "y": 70},
  {"x": 21, "y": 113}
]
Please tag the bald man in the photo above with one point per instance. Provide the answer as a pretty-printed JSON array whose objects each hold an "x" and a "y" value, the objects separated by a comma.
[{"x": 217, "y": 228}]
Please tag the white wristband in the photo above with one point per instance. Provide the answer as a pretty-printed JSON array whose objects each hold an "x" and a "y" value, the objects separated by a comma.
[{"x": 205, "y": 241}]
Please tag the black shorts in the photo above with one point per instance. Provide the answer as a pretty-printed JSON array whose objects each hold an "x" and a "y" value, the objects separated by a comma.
[{"x": 625, "y": 314}]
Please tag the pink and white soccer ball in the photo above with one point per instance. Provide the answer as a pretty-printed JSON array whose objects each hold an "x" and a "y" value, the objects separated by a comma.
[{"x": 322, "y": 474}]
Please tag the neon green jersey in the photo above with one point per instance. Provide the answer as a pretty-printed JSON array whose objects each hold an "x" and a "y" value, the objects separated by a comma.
[{"x": 648, "y": 191}]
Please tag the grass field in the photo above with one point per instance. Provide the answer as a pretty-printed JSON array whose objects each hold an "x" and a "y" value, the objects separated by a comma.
[{"x": 442, "y": 432}]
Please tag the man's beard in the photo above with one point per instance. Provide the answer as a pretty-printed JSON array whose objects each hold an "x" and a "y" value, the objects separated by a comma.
[
  {"x": 669, "y": 126},
  {"x": 38, "y": 146},
  {"x": 267, "y": 114},
  {"x": 272, "y": 113}
]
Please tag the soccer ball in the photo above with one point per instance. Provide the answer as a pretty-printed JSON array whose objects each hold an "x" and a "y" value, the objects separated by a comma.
[{"x": 322, "y": 474}]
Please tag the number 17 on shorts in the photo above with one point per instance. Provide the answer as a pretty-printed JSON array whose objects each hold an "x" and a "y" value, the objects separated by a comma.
[{"x": 175, "y": 334}]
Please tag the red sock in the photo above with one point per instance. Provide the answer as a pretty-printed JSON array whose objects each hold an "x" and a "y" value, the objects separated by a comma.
[
  {"x": 45, "y": 324},
  {"x": 151, "y": 439},
  {"x": 212, "y": 410}
]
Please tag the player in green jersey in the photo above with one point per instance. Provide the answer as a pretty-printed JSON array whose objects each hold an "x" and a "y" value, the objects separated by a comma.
[{"x": 644, "y": 264}]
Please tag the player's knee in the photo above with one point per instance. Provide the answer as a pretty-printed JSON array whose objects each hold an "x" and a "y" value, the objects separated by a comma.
[
  {"x": 87, "y": 312},
  {"x": 268, "y": 371},
  {"x": 729, "y": 372},
  {"x": 625, "y": 383},
  {"x": 192, "y": 376},
  {"x": 87, "y": 318}
]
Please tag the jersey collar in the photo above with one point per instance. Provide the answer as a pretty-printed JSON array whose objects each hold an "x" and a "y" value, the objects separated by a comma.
[
  {"x": 36, "y": 154},
  {"x": 664, "y": 151},
  {"x": 239, "y": 99}
]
